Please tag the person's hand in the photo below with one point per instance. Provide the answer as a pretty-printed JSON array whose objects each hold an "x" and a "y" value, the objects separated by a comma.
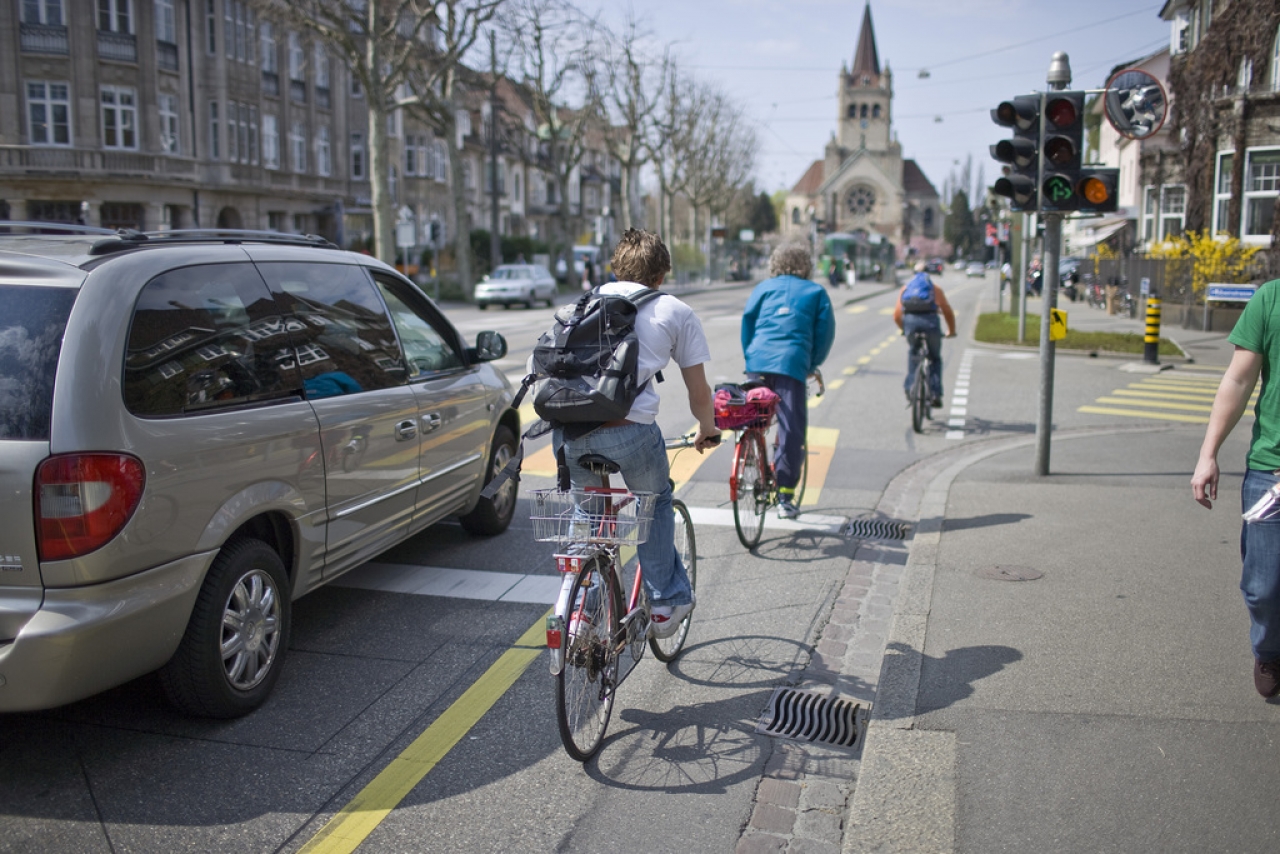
[
  {"x": 1204, "y": 482},
  {"x": 706, "y": 439},
  {"x": 816, "y": 376},
  {"x": 951, "y": 334}
]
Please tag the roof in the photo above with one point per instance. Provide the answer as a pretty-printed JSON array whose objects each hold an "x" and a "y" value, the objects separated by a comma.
[
  {"x": 914, "y": 180},
  {"x": 810, "y": 181},
  {"x": 866, "y": 60}
]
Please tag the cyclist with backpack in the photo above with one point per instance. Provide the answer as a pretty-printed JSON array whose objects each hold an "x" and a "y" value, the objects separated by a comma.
[
  {"x": 919, "y": 303},
  {"x": 788, "y": 327},
  {"x": 667, "y": 330}
]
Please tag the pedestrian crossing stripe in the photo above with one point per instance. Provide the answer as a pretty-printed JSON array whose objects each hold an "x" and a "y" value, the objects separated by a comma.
[
  {"x": 1167, "y": 397},
  {"x": 1158, "y": 404},
  {"x": 1139, "y": 413}
]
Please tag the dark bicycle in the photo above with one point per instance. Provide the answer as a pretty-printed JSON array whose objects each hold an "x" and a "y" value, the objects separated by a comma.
[{"x": 920, "y": 396}]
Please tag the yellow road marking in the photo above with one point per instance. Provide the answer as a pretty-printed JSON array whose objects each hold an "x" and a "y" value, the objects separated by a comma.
[
  {"x": 849, "y": 371},
  {"x": 1165, "y": 386},
  {"x": 685, "y": 461},
  {"x": 887, "y": 311},
  {"x": 1164, "y": 395},
  {"x": 1159, "y": 404},
  {"x": 856, "y": 309},
  {"x": 541, "y": 463},
  {"x": 835, "y": 383},
  {"x": 1134, "y": 413},
  {"x": 822, "y": 450},
  {"x": 865, "y": 360},
  {"x": 354, "y": 822}
]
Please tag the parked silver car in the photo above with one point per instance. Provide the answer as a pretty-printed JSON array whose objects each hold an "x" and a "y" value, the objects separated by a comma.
[
  {"x": 511, "y": 284},
  {"x": 197, "y": 428}
]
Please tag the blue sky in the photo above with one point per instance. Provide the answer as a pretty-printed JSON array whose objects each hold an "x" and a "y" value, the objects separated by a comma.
[{"x": 780, "y": 60}]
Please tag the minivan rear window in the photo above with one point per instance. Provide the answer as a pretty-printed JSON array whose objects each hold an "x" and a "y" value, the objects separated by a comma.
[{"x": 31, "y": 329}]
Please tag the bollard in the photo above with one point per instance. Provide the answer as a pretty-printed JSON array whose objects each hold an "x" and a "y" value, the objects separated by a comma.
[{"x": 1151, "y": 341}]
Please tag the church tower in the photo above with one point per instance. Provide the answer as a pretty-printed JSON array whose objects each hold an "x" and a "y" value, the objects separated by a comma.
[{"x": 866, "y": 96}]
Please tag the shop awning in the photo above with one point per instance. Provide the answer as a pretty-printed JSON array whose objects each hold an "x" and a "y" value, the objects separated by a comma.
[{"x": 1096, "y": 235}]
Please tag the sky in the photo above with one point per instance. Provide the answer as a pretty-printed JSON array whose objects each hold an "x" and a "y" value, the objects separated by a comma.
[{"x": 780, "y": 59}]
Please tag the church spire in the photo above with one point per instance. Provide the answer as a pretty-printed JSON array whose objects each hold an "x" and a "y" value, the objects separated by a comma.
[{"x": 866, "y": 61}]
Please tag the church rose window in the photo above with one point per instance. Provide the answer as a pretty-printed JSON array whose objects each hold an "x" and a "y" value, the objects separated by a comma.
[{"x": 861, "y": 200}]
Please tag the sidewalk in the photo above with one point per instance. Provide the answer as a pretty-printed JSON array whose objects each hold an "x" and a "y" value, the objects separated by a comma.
[{"x": 1102, "y": 703}]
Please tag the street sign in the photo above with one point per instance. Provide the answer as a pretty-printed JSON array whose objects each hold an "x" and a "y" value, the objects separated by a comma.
[
  {"x": 404, "y": 235},
  {"x": 1057, "y": 324},
  {"x": 1144, "y": 286},
  {"x": 1230, "y": 293}
]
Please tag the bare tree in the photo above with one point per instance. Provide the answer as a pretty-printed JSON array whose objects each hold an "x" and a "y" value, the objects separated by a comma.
[
  {"x": 671, "y": 136},
  {"x": 379, "y": 41},
  {"x": 552, "y": 50},
  {"x": 635, "y": 84},
  {"x": 436, "y": 95}
]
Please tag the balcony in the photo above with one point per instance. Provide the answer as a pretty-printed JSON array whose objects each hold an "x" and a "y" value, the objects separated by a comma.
[
  {"x": 35, "y": 161},
  {"x": 167, "y": 56},
  {"x": 117, "y": 47},
  {"x": 41, "y": 38}
]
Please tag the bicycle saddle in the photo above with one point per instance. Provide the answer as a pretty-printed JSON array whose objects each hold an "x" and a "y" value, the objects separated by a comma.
[{"x": 598, "y": 464}]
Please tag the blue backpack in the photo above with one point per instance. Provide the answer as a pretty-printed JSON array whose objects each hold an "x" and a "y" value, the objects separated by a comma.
[{"x": 917, "y": 296}]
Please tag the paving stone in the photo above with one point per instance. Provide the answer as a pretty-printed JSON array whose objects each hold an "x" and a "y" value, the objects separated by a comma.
[
  {"x": 783, "y": 793},
  {"x": 772, "y": 819}
]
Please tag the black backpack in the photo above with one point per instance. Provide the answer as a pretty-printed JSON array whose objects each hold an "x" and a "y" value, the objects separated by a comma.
[
  {"x": 586, "y": 371},
  {"x": 585, "y": 367}
]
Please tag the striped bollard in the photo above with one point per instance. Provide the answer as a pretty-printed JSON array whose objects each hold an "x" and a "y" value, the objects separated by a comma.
[{"x": 1151, "y": 341}]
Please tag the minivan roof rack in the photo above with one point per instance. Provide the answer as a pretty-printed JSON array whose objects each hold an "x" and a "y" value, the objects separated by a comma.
[{"x": 133, "y": 239}]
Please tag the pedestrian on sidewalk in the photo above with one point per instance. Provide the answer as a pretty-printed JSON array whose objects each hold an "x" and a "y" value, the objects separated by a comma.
[
  {"x": 788, "y": 328},
  {"x": 1256, "y": 337}
]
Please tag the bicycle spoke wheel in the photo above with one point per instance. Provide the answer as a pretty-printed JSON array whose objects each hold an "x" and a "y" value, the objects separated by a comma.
[
  {"x": 919, "y": 401},
  {"x": 584, "y": 688},
  {"x": 751, "y": 497},
  {"x": 666, "y": 649}
]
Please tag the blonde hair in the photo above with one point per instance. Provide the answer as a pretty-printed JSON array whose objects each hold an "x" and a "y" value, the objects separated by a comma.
[{"x": 642, "y": 257}]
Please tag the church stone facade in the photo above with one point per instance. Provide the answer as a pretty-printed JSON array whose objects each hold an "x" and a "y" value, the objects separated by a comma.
[{"x": 862, "y": 183}]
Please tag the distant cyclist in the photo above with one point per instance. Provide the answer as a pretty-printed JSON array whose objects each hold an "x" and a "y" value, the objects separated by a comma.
[
  {"x": 919, "y": 303},
  {"x": 788, "y": 328}
]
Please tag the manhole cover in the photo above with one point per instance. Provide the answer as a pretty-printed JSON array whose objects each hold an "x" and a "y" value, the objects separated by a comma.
[
  {"x": 807, "y": 716},
  {"x": 1009, "y": 573},
  {"x": 875, "y": 529}
]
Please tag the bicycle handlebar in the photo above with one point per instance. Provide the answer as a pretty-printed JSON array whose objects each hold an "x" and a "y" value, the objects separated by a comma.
[{"x": 687, "y": 441}]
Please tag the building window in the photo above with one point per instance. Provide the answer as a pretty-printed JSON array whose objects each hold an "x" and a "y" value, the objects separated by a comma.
[
  {"x": 215, "y": 151},
  {"x": 298, "y": 147},
  {"x": 210, "y": 28},
  {"x": 357, "y": 157},
  {"x": 853, "y": 111},
  {"x": 296, "y": 57},
  {"x": 322, "y": 67},
  {"x": 1261, "y": 187},
  {"x": 267, "y": 36},
  {"x": 324, "y": 156},
  {"x": 253, "y": 135},
  {"x": 862, "y": 111},
  {"x": 270, "y": 142},
  {"x": 1222, "y": 192},
  {"x": 1173, "y": 209},
  {"x": 442, "y": 161},
  {"x": 114, "y": 16},
  {"x": 1149, "y": 214},
  {"x": 119, "y": 117},
  {"x": 515, "y": 186},
  {"x": 49, "y": 113},
  {"x": 166, "y": 23},
  {"x": 237, "y": 30},
  {"x": 46, "y": 12},
  {"x": 233, "y": 143},
  {"x": 795, "y": 216},
  {"x": 1275, "y": 63},
  {"x": 168, "y": 109},
  {"x": 875, "y": 111}
]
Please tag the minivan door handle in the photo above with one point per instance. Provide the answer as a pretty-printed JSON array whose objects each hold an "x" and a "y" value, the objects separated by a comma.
[
  {"x": 431, "y": 422},
  {"x": 405, "y": 431}
]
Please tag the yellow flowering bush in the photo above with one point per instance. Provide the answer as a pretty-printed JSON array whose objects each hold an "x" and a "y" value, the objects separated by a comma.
[{"x": 1213, "y": 258}]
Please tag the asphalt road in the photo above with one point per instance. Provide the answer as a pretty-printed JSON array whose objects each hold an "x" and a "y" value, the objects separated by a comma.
[{"x": 412, "y": 716}]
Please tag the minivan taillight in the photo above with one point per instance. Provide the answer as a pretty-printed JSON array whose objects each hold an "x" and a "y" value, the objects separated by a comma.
[{"x": 83, "y": 500}]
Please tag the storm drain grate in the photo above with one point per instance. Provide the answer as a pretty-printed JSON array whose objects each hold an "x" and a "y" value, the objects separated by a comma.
[
  {"x": 806, "y": 716},
  {"x": 876, "y": 529}
]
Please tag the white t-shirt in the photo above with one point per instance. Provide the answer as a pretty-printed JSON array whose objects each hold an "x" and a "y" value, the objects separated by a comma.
[{"x": 668, "y": 331}]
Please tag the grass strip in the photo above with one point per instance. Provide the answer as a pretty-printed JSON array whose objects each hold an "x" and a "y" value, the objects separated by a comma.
[{"x": 1000, "y": 328}]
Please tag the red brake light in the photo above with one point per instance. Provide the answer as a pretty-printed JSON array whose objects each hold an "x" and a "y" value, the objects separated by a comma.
[{"x": 83, "y": 500}]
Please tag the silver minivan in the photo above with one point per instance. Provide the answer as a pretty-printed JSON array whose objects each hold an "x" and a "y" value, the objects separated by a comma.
[{"x": 197, "y": 428}]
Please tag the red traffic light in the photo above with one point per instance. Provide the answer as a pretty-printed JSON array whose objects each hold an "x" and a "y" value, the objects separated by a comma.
[{"x": 1061, "y": 112}]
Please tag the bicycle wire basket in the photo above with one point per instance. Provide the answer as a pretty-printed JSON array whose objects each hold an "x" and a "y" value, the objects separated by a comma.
[
  {"x": 737, "y": 408},
  {"x": 616, "y": 517}
]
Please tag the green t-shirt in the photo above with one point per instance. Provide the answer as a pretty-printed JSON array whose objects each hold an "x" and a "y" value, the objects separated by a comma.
[{"x": 1258, "y": 331}]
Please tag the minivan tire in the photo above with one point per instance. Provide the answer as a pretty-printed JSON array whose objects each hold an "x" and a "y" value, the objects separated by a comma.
[
  {"x": 247, "y": 587},
  {"x": 492, "y": 516}
]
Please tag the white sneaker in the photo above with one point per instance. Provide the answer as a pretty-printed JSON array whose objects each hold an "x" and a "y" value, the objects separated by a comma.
[
  {"x": 666, "y": 619},
  {"x": 787, "y": 510}
]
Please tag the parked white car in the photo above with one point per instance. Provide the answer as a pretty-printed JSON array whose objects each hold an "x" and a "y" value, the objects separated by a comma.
[{"x": 510, "y": 284}]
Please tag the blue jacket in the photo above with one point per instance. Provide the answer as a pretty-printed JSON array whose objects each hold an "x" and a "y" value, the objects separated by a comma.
[{"x": 788, "y": 327}]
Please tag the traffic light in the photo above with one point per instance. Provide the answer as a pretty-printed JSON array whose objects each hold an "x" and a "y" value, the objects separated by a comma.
[
  {"x": 1021, "y": 155},
  {"x": 1063, "y": 151},
  {"x": 1097, "y": 189}
]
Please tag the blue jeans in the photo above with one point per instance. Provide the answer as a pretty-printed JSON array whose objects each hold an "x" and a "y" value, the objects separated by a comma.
[
  {"x": 793, "y": 424},
  {"x": 641, "y": 454},
  {"x": 1260, "y": 573},
  {"x": 932, "y": 327}
]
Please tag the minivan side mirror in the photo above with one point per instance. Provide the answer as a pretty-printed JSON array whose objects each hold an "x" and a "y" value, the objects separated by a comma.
[{"x": 490, "y": 345}]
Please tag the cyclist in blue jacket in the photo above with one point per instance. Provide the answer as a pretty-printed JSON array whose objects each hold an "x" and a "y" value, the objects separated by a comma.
[{"x": 788, "y": 327}]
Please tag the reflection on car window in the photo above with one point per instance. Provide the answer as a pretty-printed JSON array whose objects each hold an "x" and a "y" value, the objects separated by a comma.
[
  {"x": 204, "y": 337},
  {"x": 31, "y": 329},
  {"x": 344, "y": 338},
  {"x": 425, "y": 349}
]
